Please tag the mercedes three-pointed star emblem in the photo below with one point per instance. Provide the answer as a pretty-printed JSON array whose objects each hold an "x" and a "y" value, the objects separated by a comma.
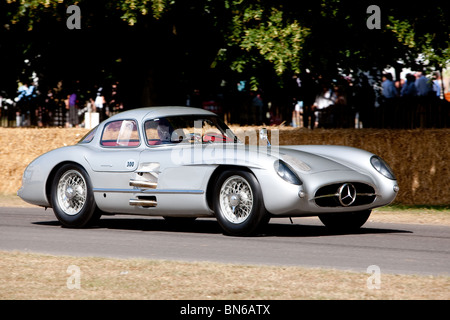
[{"x": 347, "y": 194}]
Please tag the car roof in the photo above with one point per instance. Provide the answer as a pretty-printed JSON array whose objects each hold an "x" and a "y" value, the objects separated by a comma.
[{"x": 156, "y": 112}]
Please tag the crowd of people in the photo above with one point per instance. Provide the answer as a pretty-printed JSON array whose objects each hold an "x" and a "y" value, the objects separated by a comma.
[
  {"x": 414, "y": 102},
  {"x": 63, "y": 106},
  {"x": 327, "y": 109}
]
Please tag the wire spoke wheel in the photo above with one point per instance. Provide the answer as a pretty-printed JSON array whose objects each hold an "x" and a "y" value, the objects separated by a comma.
[
  {"x": 72, "y": 198},
  {"x": 238, "y": 203},
  {"x": 71, "y": 192},
  {"x": 236, "y": 199}
]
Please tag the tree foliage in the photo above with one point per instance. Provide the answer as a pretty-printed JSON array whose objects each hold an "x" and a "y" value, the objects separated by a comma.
[
  {"x": 265, "y": 32},
  {"x": 254, "y": 38},
  {"x": 428, "y": 37}
]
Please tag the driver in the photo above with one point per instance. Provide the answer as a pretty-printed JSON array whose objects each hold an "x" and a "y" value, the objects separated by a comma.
[{"x": 164, "y": 131}]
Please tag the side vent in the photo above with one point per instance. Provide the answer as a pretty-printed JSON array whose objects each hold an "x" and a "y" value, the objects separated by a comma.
[{"x": 146, "y": 177}]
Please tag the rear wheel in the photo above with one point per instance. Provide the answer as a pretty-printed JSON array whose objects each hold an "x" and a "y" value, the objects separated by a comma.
[
  {"x": 72, "y": 198},
  {"x": 238, "y": 203},
  {"x": 345, "y": 221}
]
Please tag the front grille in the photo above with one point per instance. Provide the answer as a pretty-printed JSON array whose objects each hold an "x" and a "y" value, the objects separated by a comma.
[{"x": 328, "y": 196}]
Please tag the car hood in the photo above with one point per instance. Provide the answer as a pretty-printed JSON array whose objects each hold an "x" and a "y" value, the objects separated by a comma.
[
  {"x": 304, "y": 161},
  {"x": 307, "y": 162},
  {"x": 300, "y": 160}
]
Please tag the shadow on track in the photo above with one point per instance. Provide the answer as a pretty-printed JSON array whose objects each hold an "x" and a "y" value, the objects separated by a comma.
[{"x": 210, "y": 226}]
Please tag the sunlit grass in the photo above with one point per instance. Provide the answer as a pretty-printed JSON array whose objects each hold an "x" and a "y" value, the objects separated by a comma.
[{"x": 39, "y": 277}]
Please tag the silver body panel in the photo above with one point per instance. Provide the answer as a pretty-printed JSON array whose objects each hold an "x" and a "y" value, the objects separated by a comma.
[{"x": 177, "y": 177}]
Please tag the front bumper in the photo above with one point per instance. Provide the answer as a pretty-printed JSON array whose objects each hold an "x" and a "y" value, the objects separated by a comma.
[{"x": 284, "y": 199}]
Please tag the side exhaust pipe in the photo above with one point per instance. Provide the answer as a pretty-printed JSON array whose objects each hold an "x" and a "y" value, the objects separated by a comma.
[
  {"x": 143, "y": 203},
  {"x": 143, "y": 184}
]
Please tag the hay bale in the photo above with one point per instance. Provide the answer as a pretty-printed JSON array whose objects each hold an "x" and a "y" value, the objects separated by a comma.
[{"x": 19, "y": 146}]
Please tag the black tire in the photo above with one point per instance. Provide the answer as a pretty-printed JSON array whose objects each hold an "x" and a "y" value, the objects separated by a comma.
[
  {"x": 345, "y": 221},
  {"x": 238, "y": 203},
  {"x": 72, "y": 197}
]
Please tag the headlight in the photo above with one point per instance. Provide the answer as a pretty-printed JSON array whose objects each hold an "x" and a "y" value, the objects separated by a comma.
[
  {"x": 286, "y": 173},
  {"x": 382, "y": 167}
]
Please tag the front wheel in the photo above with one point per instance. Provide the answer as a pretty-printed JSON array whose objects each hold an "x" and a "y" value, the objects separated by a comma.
[
  {"x": 72, "y": 198},
  {"x": 238, "y": 203},
  {"x": 345, "y": 221}
]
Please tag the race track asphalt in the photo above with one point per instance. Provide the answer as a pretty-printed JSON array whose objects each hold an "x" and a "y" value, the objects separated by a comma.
[{"x": 394, "y": 248}]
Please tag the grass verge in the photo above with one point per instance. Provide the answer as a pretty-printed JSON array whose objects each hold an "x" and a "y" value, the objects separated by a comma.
[
  {"x": 38, "y": 276},
  {"x": 434, "y": 215}
]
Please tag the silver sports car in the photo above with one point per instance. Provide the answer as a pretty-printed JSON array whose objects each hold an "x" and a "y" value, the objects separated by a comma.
[{"x": 182, "y": 163}]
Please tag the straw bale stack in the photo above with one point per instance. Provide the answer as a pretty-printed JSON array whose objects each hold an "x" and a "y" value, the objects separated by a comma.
[
  {"x": 19, "y": 146},
  {"x": 419, "y": 158}
]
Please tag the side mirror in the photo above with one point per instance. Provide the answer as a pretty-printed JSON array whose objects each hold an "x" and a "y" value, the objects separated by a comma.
[{"x": 263, "y": 135}]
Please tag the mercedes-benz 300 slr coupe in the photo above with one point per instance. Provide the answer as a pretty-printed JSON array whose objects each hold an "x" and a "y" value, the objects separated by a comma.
[{"x": 183, "y": 163}]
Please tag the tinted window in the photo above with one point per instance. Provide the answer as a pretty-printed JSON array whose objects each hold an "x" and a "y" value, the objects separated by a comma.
[
  {"x": 187, "y": 129},
  {"x": 121, "y": 133}
]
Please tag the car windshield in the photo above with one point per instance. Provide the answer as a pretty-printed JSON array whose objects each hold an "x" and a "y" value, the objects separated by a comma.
[{"x": 188, "y": 129}]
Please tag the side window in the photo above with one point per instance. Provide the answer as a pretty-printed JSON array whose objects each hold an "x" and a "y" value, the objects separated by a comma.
[
  {"x": 88, "y": 137},
  {"x": 164, "y": 131},
  {"x": 186, "y": 129},
  {"x": 121, "y": 133}
]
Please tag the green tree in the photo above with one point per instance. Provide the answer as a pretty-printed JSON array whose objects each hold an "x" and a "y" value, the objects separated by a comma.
[{"x": 157, "y": 47}]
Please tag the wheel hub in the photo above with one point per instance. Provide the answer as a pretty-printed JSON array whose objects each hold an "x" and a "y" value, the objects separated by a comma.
[
  {"x": 70, "y": 192},
  {"x": 234, "y": 199}
]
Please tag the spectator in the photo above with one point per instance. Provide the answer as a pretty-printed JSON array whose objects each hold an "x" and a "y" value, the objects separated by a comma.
[
  {"x": 409, "y": 88},
  {"x": 20, "y": 106},
  {"x": 71, "y": 108},
  {"x": 408, "y": 104},
  {"x": 22, "y": 92},
  {"x": 257, "y": 109},
  {"x": 323, "y": 100},
  {"x": 297, "y": 113},
  {"x": 389, "y": 90},
  {"x": 389, "y": 106},
  {"x": 436, "y": 83},
  {"x": 25, "y": 113},
  {"x": 423, "y": 85},
  {"x": 100, "y": 106}
]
